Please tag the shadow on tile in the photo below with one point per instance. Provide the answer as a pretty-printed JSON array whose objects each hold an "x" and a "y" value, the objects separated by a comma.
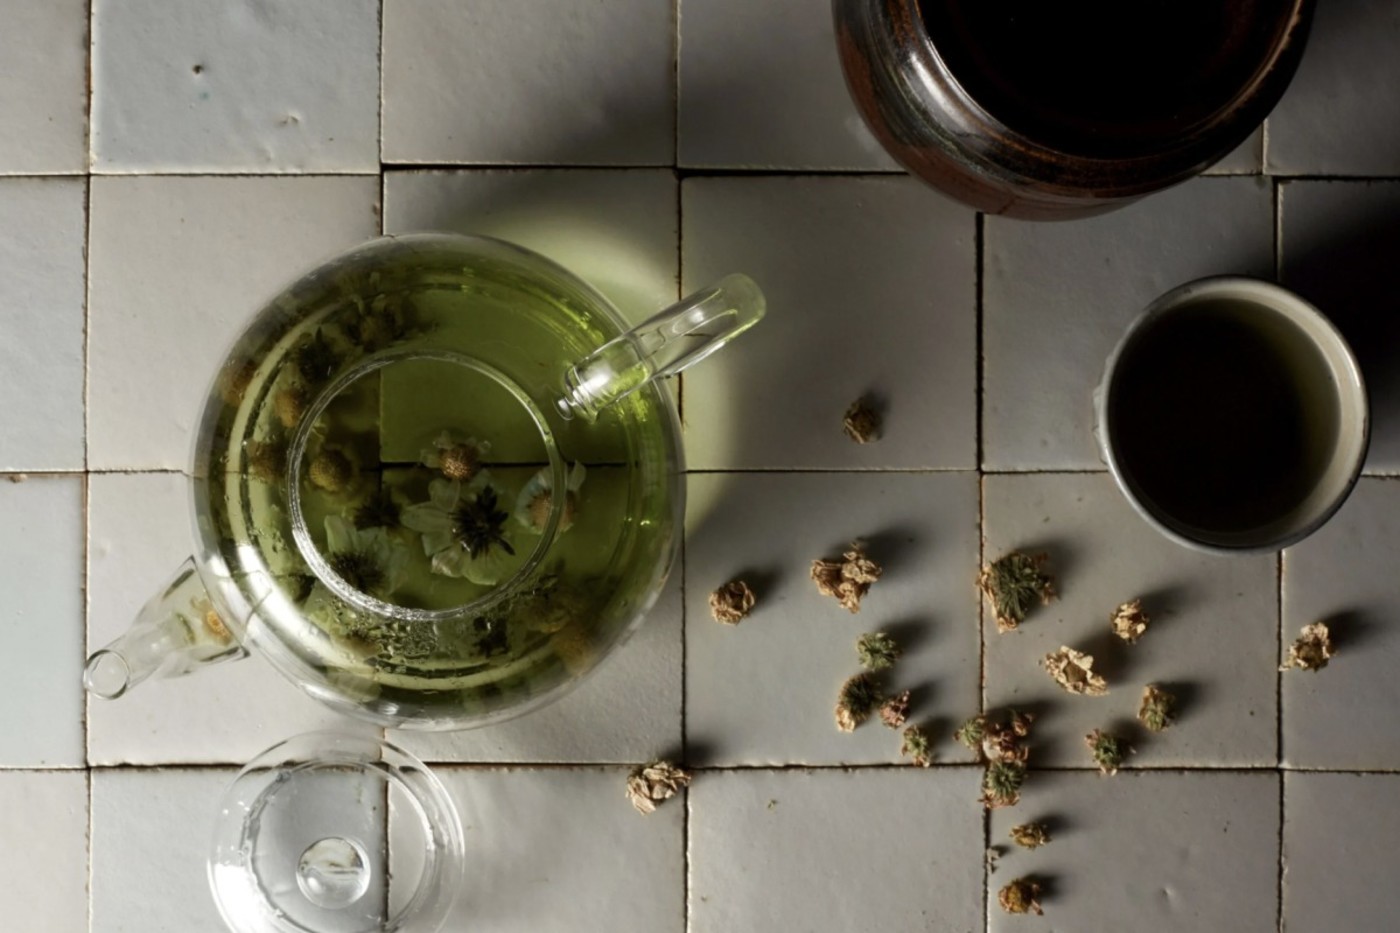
[
  {"x": 1342, "y": 259},
  {"x": 1348, "y": 629}
]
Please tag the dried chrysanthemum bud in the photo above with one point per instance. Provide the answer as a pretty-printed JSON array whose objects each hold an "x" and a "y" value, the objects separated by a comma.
[
  {"x": 895, "y": 710},
  {"x": 1158, "y": 708},
  {"x": 380, "y": 510},
  {"x": 1108, "y": 750},
  {"x": 860, "y": 696},
  {"x": 1129, "y": 621},
  {"x": 846, "y": 580},
  {"x": 1013, "y": 584},
  {"x": 331, "y": 470},
  {"x": 1021, "y": 723},
  {"x": 234, "y": 380},
  {"x": 1002, "y": 743},
  {"x": 314, "y": 358},
  {"x": 267, "y": 460},
  {"x": 971, "y": 732},
  {"x": 917, "y": 746},
  {"x": 1021, "y": 896},
  {"x": 877, "y": 651},
  {"x": 1001, "y": 784},
  {"x": 862, "y": 422},
  {"x": 651, "y": 784},
  {"x": 732, "y": 602},
  {"x": 290, "y": 404},
  {"x": 460, "y": 462},
  {"x": 1030, "y": 835},
  {"x": 1073, "y": 670},
  {"x": 1312, "y": 650}
]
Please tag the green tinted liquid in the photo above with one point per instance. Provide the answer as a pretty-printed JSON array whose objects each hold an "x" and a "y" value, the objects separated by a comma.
[{"x": 590, "y": 584}]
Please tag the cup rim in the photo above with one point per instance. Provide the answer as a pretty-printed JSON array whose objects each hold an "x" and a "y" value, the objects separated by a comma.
[{"x": 1278, "y": 299}]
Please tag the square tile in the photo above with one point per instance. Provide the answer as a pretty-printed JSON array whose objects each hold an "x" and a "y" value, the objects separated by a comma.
[
  {"x": 44, "y": 820},
  {"x": 1343, "y": 716},
  {"x": 878, "y": 849},
  {"x": 557, "y": 850},
  {"x": 1338, "y": 116},
  {"x": 761, "y": 87},
  {"x": 1170, "y": 853},
  {"x": 139, "y": 530},
  {"x": 629, "y": 710},
  {"x": 151, "y": 833},
  {"x": 42, "y": 289},
  {"x": 1338, "y": 245},
  {"x": 45, "y": 120},
  {"x": 241, "y": 86},
  {"x": 556, "y": 83},
  {"x": 178, "y": 267},
  {"x": 1339, "y": 863},
  {"x": 763, "y": 692},
  {"x": 614, "y": 229},
  {"x": 871, "y": 290},
  {"x": 41, "y": 621},
  {"x": 1057, "y": 298},
  {"x": 1246, "y": 159},
  {"x": 1212, "y": 640}
]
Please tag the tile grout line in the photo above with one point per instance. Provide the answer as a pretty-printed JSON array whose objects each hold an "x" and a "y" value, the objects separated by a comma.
[
  {"x": 1278, "y": 740},
  {"x": 685, "y": 744},
  {"x": 979, "y": 259},
  {"x": 380, "y": 126}
]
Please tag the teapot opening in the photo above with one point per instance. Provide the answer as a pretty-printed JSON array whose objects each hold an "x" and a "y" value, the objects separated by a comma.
[{"x": 450, "y": 457}]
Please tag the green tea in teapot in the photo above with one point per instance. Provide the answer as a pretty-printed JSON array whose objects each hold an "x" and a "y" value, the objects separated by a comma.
[{"x": 401, "y": 499}]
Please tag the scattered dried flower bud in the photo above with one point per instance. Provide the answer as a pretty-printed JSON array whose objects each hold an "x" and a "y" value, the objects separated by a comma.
[
  {"x": 331, "y": 470},
  {"x": 1158, "y": 708},
  {"x": 1021, "y": 723},
  {"x": 917, "y": 746},
  {"x": 1013, "y": 584},
  {"x": 651, "y": 784},
  {"x": 1021, "y": 896},
  {"x": 732, "y": 602},
  {"x": 1312, "y": 650},
  {"x": 862, "y": 422},
  {"x": 877, "y": 651},
  {"x": 993, "y": 854},
  {"x": 1001, "y": 784},
  {"x": 860, "y": 696},
  {"x": 1129, "y": 622},
  {"x": 1030, "y": 835},
  {"x": 846, "y": 580},
  {"x": 1108, "y": 750},
  {"x": 971, "y": 732},
  {"x": 1073, "y": 670},
  {"x": 895, "y": 710}
]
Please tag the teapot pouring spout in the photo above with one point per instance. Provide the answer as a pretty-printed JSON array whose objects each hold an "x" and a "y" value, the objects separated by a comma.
[{"x": 177, "y": 631}]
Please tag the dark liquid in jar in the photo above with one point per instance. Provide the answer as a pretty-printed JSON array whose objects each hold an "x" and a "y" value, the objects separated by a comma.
[{"x": 1104, "y": 78}]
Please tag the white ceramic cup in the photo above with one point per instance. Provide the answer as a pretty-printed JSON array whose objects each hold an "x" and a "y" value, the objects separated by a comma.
[{"x": 1328, "y": 462}]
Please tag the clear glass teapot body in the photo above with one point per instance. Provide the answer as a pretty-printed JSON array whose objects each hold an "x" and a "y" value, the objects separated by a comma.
[{"x": 435, "y": 482}]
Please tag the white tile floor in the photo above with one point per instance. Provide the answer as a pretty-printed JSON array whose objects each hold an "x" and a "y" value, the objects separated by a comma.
[{"x": 654, "y": 145}]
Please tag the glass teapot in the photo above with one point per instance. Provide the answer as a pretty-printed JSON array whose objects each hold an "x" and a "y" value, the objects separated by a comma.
[{"x": 436, "y": 480}]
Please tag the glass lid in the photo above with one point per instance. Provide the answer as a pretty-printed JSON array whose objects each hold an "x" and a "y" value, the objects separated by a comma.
[{"x": 301, "y": 841}]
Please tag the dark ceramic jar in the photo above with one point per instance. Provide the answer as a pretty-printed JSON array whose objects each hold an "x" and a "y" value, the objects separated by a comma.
[{"x": 1049, "y": 109}]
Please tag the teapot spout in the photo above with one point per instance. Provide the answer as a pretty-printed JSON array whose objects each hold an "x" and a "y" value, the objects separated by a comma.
[{"x": 177, "y": 631}]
